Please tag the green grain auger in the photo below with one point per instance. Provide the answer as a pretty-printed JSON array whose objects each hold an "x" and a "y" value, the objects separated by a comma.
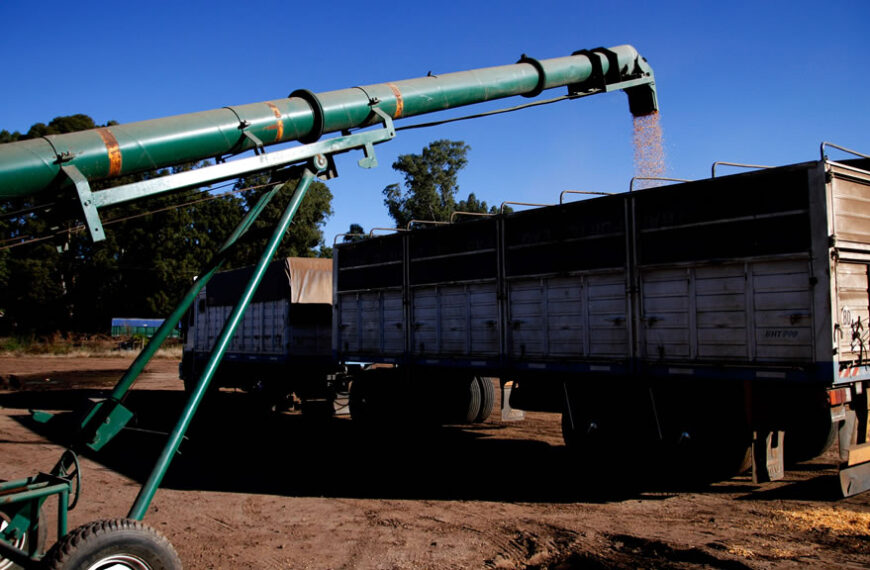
[{"x": 68, "y": 163}]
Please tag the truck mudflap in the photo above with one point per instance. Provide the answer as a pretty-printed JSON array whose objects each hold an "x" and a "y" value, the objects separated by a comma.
[
  {"x": 850, "y": 411},
  {"x": 768, "y": 462},
  {"x": 509, "y": 414},
  {"x": 855, "y": 477}
]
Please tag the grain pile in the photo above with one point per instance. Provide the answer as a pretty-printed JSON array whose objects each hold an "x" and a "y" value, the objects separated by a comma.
[
  {"x": 649, "y": 152},
  {"x": 827, "y": 519}
]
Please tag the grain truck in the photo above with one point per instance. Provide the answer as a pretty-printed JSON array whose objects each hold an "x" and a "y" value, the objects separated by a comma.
[
  {"x": 282, "y": 349},
  {"x": 716, "y": 322}
]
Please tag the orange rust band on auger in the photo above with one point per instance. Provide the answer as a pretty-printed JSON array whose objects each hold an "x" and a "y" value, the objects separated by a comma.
[
  {"x": 280, "y": 123},
  {"x": 400, "y": 104},
  {"x": 113, "y": 150}
]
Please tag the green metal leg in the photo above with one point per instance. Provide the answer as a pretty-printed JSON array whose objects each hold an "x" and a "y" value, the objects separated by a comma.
[
  {"x": 171, "y": 322},
  {"x": 146, "y": 494},
  {"x": 108, "y": 417}
]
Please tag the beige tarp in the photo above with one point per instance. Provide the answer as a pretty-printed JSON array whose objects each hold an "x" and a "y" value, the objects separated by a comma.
[{"x": 310, "y": 279}]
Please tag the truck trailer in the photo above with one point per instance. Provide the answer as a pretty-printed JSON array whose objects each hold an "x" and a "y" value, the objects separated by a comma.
[
  {"x": 282, "y": 348},
  {"x": 720, "y": 321}
]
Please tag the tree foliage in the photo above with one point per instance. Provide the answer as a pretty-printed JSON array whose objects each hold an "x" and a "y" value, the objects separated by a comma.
[
  {"x": 152, "y": 251},
  {"x": 304, "y": 238},
  {"x": 430, "y": 184},
  {"x": 354, "y": 233}
]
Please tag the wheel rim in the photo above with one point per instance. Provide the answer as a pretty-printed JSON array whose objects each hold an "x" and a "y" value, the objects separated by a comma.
[
  {"x": 120, "y": 562},
  {"x": 20, "y": 544}
]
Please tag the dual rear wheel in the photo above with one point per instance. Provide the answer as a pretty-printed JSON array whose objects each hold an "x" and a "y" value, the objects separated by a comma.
[{"x": 387, "y": 395}]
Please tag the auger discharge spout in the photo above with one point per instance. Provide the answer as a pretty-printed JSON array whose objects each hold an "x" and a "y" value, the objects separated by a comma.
[{"x": 32, "y": 166}]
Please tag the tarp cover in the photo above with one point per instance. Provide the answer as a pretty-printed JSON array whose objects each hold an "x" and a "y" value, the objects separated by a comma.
[
  {"x": 304, "y": 280},
  {"x": 310, "y": 279}
]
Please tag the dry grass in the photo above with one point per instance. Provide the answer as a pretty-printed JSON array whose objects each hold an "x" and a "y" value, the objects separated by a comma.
[
  {"x": 79, "y": 346},
  {"x": 843, "y": 522}
]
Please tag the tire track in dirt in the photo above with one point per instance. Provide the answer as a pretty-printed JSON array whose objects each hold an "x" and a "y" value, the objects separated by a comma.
[
  {"x": 363, "y": 537},
  {"x": 531, "y": 545},
  {"x": 526, "y": 543}
]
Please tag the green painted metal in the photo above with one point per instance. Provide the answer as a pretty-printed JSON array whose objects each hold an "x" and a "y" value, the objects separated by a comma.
[
  {"x": 105, "y": 420},
  {"x": 32, "y": 166},
  {"x": 146, "y": 494},
  {"x": 92, "y": 201},
  {"x": 108, "y": 417},
  {"x": 22, "y": 501}
]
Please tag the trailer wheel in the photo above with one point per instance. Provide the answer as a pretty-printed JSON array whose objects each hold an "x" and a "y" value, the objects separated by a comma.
[
  {"x": 811, "y": 432},
  {"x": 582, "y": 435},
  {"x": 470, "y": 401},
  {"x": 714, "y": 457},
  {"x": 487, "y": 398},
  {"x": 712, "y": 447},
  {"x": 23, "y": 542},
  {"x": 115, "y": 544}
]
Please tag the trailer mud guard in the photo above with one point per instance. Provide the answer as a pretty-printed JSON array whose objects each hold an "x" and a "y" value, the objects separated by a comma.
[{"x": 853, "y": 442}]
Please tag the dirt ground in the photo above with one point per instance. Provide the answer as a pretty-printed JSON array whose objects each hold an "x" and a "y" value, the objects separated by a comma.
[{"x": 258, "y": 490}]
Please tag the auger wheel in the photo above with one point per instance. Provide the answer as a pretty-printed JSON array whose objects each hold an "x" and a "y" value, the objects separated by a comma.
[{"x": 115, "y": 544}]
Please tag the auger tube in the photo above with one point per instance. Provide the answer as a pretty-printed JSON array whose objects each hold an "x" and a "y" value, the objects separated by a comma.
[{"x": 33, "y": 166}]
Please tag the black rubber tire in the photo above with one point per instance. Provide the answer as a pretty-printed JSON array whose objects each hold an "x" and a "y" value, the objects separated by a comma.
[
  {"x": 487, "y": 398},
  {"x": 577, "y": 439},
  {"x": 117, "y": 543},
  {"x": 378, "y": 398},
  {"x": 39, "y": 535},
  {"x": 470, "y": 401},
  {"x": 810, "y": 434},
  {"x": 718, "y": 448},
  {"x": 584, "y": 440}
]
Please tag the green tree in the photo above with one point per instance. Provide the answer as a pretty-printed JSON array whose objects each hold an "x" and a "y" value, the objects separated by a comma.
[
  {"x": 354, "y": 234},
  {"x": 304, "y": 238},
  {"x": 430, "y": 185},
  {"x": 60, "y": 125},
  {"x": 152, "y": 251},
  {"x": 6, "y": 136}
]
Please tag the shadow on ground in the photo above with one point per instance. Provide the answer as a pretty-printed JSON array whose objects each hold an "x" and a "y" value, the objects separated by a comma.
[{"x": 234, "y": 447}]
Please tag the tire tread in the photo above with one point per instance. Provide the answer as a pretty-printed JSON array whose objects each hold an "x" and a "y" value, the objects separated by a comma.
[{"x": 62, "y": 553}]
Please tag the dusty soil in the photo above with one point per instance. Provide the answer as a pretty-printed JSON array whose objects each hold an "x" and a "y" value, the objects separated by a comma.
[{"x": 258, "y": 490}]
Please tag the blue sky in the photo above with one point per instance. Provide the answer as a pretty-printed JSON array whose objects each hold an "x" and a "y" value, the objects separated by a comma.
[{"x": 762, "y": 82}]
